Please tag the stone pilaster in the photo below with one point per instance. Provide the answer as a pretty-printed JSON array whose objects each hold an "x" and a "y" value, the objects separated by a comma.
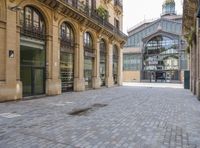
[
  {"x": 109, "y": 66},
  {"x": 96, "y": 77},
  {"x": 79, "y": 81},
  {"x": 120, "y": 67},
  {"x": 53, "y": 82},
  {"x": 11, "y": 88}
]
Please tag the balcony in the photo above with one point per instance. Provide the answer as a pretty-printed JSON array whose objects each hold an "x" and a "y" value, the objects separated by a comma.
[
  {"x": 81, "y": 11},
  {"x": 118, "y": 6},
  {"x": 107, "y": 1}
]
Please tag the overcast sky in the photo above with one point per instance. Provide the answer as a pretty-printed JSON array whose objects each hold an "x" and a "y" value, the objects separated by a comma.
[{"x": 136, "y": 11}]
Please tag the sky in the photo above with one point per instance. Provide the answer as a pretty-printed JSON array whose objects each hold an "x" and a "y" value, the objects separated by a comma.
[{"x": 135, "y": 11}]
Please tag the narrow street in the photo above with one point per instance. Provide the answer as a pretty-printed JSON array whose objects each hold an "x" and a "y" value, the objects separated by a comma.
[{"x": 131, "y": 116}]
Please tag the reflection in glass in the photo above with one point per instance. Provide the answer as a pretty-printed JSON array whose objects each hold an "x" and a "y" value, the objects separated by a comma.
[
  {"x": 115, "y": 64},
  {"x": 89, "y": 60},
  {"x": 102, "y": 62},
  {"x": 67, "y": 46},
  {"x": 161, "y": 54}
]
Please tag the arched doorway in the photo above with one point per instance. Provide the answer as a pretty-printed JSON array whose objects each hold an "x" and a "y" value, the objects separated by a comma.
[
  {"x": 67, "y": 46},
  {"x": 161, "y": 59},
  {"x": 115, "y": 64},
  {"x": 88, "y": 60},
  {"x": 32, "y": 52},
  {"x": 102, "y": 69}
]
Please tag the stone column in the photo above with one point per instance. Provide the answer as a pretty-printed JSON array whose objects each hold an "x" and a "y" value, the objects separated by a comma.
[
  {"x": 198, "y": 61},
  {"x": 12, "y": 89},
  {"x": 120, "y": 67},
  {"x": 109, "y": 65},
  {"x": 53, "y": 82},
  {"x": 96, "y": 76},
  {"x": 79, "y": 81},
  {"x": 194, "y": 68}
]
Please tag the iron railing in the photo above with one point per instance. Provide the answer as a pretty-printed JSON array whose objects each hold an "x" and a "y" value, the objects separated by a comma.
[
  {"x": 92, "y": 13},
  {"x": 32, "y": 31},
  {"x": 118, "y": 3}
]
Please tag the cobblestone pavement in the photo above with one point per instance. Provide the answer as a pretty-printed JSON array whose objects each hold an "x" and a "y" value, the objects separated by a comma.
[{"x": 119, "y": 117}]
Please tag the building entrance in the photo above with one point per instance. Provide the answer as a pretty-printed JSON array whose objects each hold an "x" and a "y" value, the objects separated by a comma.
[
  {"x": 32, "y": 52},
  {"x": 67, "y": 71},
  {"x": 32, "y": 70},
  {"x": 115, "y": 64},
  {"x": 102, "y": 69},
  {"x": 88, "y": 64}
]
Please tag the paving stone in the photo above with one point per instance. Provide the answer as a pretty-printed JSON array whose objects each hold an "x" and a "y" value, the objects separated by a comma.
[{"x": 135, "y": 117}]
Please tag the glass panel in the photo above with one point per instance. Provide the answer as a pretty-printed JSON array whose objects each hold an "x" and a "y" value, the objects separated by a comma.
[
  {"x": 26, "y": 79},
  {"x": 102, "y": 69},
  {"x": 67, "y": 72},
  {"x": 38, "y": 76},
  {"x": 32, "y": 56},
  {"x": 32, "y": 77},
  {"x": 88, "y": 72}
]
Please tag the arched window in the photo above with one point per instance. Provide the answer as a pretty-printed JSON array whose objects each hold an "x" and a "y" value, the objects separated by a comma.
[
  {"x": 102, "y": 46},
  {"x": 66, "y": 32},
  {"x": 67, "y": 46},
  {"x": 115, "y": 52},
  {"x": 161, "y": 57},
  {"x": 88, "y": 43},
  {"x": 115, "y": 64},
  {"x": 32, "y": 23},
  {"x": 102, "y": 68}
]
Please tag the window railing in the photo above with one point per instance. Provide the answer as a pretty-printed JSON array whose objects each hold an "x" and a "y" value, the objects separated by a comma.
[
  {"x": 92, "y": 13},
  {"x": 118, "y": 3},
  {"x": 32, "y": 31}
]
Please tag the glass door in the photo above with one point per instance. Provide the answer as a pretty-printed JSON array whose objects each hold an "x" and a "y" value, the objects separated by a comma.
[
  {"x": 67, "y": 71},
  {"x": 88, "y": 72},
  {"x": 38, "y": 81},
  {"x": 32, "y": 70},
  {"x": 102, "y": 71}
]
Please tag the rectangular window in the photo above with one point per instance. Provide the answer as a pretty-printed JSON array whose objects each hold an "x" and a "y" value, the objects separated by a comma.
[
  {"x": 131, "y": 62},
  {"x": 116, "y": 23}
]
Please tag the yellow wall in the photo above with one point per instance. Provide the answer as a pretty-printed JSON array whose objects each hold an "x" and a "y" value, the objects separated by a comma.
[{"x": 129, "y": 76}]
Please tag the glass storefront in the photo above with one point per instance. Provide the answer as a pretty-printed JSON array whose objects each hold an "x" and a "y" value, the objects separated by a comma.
[
  {"x": 115, "y": 64},
  {"x": 32, "y": 61},
  {"x": 161, "y": 59},
  {"x": 102, "y": 69},
  {"x": 88, "y": 60},
  {"x": 67, "y": 45},
  {"x": 32, "y": 52}
]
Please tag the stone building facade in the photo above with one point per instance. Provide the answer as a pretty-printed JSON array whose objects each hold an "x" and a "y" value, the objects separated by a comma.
[
  {"x": 155, "y": 49},
  {"x": 191, "y": 26},
  {"x": 52, "y": 46}
]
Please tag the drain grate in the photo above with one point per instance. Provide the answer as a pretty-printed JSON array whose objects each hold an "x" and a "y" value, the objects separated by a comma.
[
  {"x": 86, "y": 111},
  {"x": 9, "y": 115},
  {"x": 99, "y": 105}
]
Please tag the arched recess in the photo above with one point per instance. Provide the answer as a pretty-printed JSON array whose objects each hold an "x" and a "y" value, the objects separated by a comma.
[
  {"x": 115, "y": 64},
  {"x": 103, "y": 61},
  {"x": 33, "y": 51},
  {"x": 67, "y": 51},
  {"x": 89, "y": 56},
  {"x": 161, "y": 58}
]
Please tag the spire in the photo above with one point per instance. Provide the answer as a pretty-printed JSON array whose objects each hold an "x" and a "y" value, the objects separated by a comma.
[{"x": 168, "y": 7}]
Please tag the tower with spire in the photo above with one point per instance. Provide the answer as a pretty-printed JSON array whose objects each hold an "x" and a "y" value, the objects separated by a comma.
[{"x": 168, "y": 8}]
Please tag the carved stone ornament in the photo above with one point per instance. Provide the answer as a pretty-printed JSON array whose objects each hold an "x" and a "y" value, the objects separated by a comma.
[{"x": 55, "y": 15}]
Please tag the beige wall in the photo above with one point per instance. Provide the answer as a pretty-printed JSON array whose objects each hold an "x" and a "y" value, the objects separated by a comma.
[
  {"x": 130, "y": 76},
  {"x": 10, "y": 84}
]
